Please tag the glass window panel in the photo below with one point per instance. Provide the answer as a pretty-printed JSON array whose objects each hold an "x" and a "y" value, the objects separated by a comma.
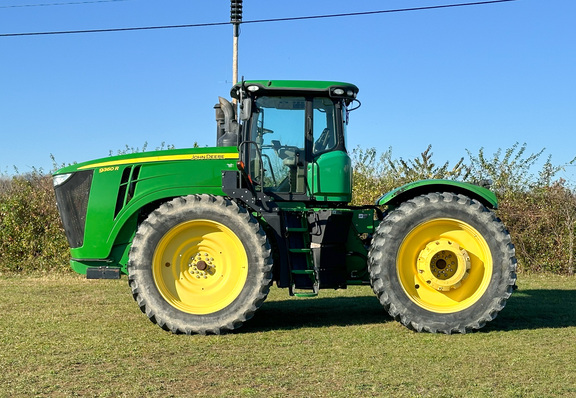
[
  {"x": 324, "y": 125},
  {"x": 280, "y": 134}
]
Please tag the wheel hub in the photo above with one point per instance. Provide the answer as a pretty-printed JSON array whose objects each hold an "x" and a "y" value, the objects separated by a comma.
[
  {"x": 202, "y": 265},
  {"x": 443, "y": 265}
]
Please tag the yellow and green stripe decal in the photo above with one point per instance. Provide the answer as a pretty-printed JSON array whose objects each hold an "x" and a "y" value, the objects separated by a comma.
[{"x": 165, "y": 158}]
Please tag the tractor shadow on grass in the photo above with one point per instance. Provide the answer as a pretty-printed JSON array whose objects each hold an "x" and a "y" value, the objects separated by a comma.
[
  {"x": 317, "y": 313},
  {"x": 536, "y": 309},
  {"x": 525, "y": 310}
]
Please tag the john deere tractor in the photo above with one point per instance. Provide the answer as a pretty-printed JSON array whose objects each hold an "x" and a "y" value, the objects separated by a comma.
[{"x": 203, "y": 233}]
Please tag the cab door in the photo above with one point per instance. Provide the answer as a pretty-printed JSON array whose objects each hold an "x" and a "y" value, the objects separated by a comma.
[
  {"x": 330, "y": 171},
  {"x": 279, "y": 133}
]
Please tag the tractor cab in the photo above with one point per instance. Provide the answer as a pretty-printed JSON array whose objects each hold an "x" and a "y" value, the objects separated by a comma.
[{"x": 292, "y": 137}]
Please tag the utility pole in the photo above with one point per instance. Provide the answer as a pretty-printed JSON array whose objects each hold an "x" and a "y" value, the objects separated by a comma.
[{"x": 235, "y": 19}]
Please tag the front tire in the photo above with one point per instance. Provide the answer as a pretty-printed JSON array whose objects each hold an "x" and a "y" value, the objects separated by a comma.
[
  {"x": 442, "y": 262},
  {"x": 200, "y": 264}
]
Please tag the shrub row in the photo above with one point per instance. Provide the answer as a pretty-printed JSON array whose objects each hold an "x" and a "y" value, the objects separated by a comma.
[{"x": 538, "y": 209}]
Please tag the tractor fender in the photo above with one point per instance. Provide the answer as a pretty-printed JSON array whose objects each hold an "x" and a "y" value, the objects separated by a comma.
[{"x": 422, "y": 187}]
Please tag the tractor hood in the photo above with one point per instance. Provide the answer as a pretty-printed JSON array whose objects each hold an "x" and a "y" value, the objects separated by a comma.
[{"x": 96, "y": 199}]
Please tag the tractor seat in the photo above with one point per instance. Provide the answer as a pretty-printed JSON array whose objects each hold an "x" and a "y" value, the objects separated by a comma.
[{"x": 289, "y": 157}]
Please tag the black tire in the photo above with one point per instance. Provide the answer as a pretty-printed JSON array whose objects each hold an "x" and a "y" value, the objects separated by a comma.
[
  {"x": 442, "y": 263},
  {"x": 200, "y": 264}
]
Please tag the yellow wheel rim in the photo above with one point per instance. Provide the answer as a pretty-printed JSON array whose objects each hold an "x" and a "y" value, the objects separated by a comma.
[
  {"x": 444, "y": 265},
  {"x": 200, "y": 266}
]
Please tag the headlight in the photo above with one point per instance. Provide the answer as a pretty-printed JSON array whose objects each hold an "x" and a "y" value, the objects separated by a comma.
[{"x": 61, "y": 178}]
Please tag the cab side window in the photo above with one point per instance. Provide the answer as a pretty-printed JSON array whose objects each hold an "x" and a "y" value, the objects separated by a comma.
[{"x": 325, "y": 137}]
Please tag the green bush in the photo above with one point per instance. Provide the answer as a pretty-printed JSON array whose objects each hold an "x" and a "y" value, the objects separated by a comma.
[{"x": 31, "y": 233}]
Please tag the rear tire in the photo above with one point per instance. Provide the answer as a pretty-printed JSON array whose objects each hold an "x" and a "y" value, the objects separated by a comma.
[
  {"x": 442, "y": 262},
  {"x": 200, "y": 264}
]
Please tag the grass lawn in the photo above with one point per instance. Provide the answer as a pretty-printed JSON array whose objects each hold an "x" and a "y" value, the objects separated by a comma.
[{"x": 67, "y": 336}]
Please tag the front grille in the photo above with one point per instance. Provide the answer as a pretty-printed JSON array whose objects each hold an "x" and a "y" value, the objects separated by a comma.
[{"x": 72, "y": 199}]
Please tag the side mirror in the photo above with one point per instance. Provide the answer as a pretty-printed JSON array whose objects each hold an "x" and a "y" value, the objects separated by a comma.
[{"x": 245, "y": 109}]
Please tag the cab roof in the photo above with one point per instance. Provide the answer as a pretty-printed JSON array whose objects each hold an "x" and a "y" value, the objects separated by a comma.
[{"x": 296, "y": 87}]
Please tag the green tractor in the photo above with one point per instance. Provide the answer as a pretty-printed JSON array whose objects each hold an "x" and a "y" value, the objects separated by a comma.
[{"x": 203, "y": 233}]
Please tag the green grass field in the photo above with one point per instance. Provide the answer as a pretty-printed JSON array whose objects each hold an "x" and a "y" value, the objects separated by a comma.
[{"x": 66, "y": 336}]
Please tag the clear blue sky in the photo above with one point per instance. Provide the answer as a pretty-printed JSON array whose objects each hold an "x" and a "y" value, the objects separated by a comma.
[{"x": 459, "y": 78}]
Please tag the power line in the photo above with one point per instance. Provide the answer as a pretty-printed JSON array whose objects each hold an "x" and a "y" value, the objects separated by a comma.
[
  {"x": 252, "y": 21},
  {"x": 66, "y": 32},
  {"x": 61, "y": 4},
  {"x": 352, "y": 14}
]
